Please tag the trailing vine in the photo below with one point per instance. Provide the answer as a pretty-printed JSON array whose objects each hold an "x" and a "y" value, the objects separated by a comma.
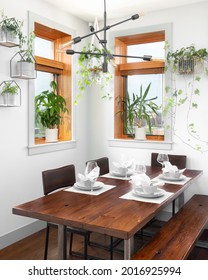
[
  {"x": 183, "y": 95},
  {"x": 90, "y": 71}
]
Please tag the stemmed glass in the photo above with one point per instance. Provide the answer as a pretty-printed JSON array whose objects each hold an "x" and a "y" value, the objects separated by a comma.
[
  {"x": 92, "y": 172},
  {"x": 161, "y": 158},
  {"x": 140, "y": 168}
]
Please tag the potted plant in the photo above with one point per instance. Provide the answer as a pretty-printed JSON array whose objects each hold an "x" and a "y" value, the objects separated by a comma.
[
  {"x": 10, "y": 31},
  {"x": 49, "y": 108},
  {"x": 9, "y": 90},
  {"x": 137, "y": 112},
  {"x": 22, "y": 64},
  {"x": 90, "y": 69},
  {"x": 186, "y": 60}
]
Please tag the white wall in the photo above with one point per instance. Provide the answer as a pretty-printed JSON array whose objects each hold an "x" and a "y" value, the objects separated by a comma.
[
  {"x": 20, "y": 175},
  {"x": 189, "y": 24}
]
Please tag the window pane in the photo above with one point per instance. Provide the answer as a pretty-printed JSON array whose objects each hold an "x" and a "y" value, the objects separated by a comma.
[
  {"x": 154, "y": 49},
  {"x": 41, "y": 83},
  {"x": 44, "y": 48},
  {"x": 156, "y": 89}
]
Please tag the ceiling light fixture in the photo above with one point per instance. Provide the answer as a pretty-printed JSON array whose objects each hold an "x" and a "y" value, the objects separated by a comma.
[{"x": 107, "y": 56}]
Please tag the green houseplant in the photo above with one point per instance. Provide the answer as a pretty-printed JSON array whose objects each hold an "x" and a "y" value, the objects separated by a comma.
[
  {"x": 90, "y": 69},
  {"x": 49, "y": 108},
  {"x": 137, "y": 112},
  {"x": 8, "y": 91},
  {"x": 10, "y": 30},
  {"x": 186, "y": 60}
]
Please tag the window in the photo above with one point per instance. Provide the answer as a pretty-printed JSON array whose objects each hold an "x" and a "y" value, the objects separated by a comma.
[
  {"x": 51, "y": 65},
  {"x": 130, "y": 74}
]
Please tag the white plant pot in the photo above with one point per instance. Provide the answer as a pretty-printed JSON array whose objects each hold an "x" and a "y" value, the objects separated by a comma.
[
  {"x": 8, "y": 99},
  {"x": 140, "y": 133},
  {"x": 51, "y": 135},
  {"x": 26, "y": 69}
]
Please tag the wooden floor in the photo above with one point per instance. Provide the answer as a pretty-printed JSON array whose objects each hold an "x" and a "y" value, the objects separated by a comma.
[{"x": 31, "y": 248}]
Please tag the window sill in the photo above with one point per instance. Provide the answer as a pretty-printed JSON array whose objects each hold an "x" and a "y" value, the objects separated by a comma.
[
  {"x": 51, "y": 147},
  {"x": 163, "y": 145}
]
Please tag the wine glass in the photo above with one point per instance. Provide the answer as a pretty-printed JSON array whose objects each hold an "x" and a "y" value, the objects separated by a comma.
[
  {"x": 140, "y": 168},
  {"x": 161, "y": 158},
  {"x": 92, "y": 172}
]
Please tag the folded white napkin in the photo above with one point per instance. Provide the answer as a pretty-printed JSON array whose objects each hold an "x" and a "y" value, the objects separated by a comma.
[
  {"x": 92, "y": 176},
  {"x": 142, "y": 182},
  {"x": 125, "y": 164},
  {"x": 169, "y": 168}
]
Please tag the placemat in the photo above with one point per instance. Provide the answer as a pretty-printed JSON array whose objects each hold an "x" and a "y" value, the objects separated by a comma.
[
  {"x": 105, "y": 188},
  {"x": 182, "y": 182},
  {"x": 130, "y": 195}
]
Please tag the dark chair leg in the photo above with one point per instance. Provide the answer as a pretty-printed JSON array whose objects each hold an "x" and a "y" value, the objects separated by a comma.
[
  {"x": 46, "y": 242},
  {"x": 173, "y": 207},
  {"x": 111, "y": 248},
  {"x": 86, "y": 238},
  {"x": 70, "y": 245}
]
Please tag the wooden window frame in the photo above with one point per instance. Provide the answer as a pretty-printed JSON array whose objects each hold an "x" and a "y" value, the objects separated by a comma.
[
  {"x": 134, "y": 68},
  {"x": 61, "y": 66}
]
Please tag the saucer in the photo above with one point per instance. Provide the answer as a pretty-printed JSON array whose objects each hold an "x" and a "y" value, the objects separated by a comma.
[
  {"x": 157, "y": 193},
  {"x": 163, "y": 177},
  {"x": 96, "y": 186}
]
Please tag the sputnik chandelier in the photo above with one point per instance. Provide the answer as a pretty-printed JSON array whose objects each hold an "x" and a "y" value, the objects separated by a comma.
[{"x": 105, "y": 53}]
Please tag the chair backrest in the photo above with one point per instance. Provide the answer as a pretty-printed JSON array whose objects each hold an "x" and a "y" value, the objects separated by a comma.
[
  {"x": 57, "y": 178},
  {"x": 103, "y": 163},
  {"x": 178, "y": 160}
]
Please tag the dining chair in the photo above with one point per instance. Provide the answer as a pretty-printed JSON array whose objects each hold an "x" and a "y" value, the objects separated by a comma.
[
  {"x": 53, "y": 180},
  {"x": 103, "y": 163},
  {"x": 178, "y": 160}
]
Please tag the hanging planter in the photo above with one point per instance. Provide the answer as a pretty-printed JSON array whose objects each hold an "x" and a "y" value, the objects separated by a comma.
[
  {"x": 187, "y": 60},
  {"x": 10, "y": 94},
  {"x": 10, "y": 31},
  {"x": 22, "y": 64},
  {"x": 90, "y": 69}
]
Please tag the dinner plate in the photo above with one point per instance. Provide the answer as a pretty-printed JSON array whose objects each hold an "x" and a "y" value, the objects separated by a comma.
[
  {"x": 157, "y": 193},
  {"x": 117, "y": 174},
  {"x": 96, "y": 186},
  {"x": 163, "y": 177}
]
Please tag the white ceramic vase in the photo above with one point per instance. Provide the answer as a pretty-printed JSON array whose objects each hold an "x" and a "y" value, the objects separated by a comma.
[
  {"x": 51, "y": 135},
  {"x": 140, "y": 133}
]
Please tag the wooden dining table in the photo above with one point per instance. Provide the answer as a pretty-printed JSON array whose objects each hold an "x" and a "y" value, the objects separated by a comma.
[{"x": 106, "y": 213}]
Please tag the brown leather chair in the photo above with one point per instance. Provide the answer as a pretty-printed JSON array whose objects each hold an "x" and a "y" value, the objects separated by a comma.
[
  {"x": 103, "y": 163},
  {"x": 178, "y": 160},
  {"x": 55, "y": 179}
]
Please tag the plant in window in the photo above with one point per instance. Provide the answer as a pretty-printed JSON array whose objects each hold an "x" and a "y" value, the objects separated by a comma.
[
  {"x": 90, "y": 69},
  {"x": 49, "y": 108},
  {"x": 138, "y": 111}
]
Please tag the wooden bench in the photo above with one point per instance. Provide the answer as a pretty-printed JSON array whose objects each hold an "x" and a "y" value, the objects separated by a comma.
[{"x": 178, "y": 236}]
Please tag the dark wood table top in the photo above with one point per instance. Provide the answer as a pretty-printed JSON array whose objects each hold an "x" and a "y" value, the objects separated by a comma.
[{"x": 106, "y": 213}]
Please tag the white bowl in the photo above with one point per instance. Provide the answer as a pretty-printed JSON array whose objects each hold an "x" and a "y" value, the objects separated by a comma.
[
  {"x": 122, "y": 170},
  {"x": 85, "y": 183},
  {"x": 175, "y": 175}
]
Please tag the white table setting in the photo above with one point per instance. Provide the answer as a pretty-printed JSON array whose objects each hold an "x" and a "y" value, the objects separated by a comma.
[
  {"x": 87, "y": 183},
  {"x": 146, "y": 190}
]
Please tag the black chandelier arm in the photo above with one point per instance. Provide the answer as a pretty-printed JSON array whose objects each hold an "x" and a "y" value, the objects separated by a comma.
[
  {"x": 145, "y": 57},
  {"x": 78, "y": 39}
]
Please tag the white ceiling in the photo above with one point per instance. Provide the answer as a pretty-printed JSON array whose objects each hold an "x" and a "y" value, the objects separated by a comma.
[{"x": 89, "y": 9}]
